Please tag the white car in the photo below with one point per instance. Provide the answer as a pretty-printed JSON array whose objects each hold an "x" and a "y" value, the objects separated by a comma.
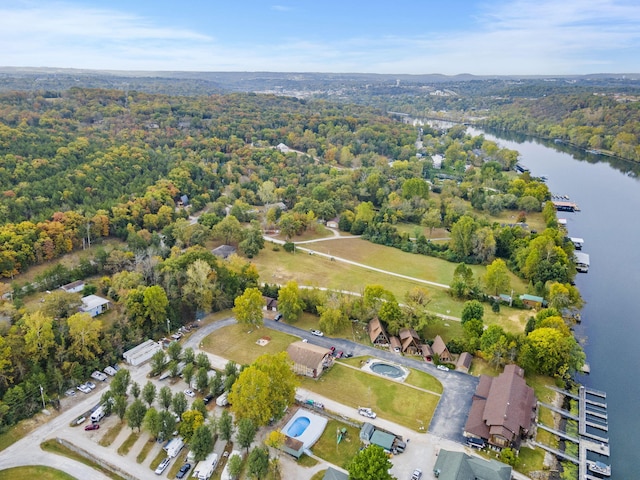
[
  {"x": 83, "y": 388},
  {"x": 189, "y": 393},
  {"x": 99, "y": 376},
  {"x": 443, "y": 368},
  {"x": 317, "y": 333},
  {"x": 366, "y": 412},
  {"x": 91, "y": 385},
  {"x": 163, "y": 465},
  {"x": 417, "y": 474}
]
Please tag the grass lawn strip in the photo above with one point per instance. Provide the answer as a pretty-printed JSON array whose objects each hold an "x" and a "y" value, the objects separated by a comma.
[
  {"x": 178, "y": 462},
  {"x": 39, "y": 472},
  {"x": 144, "y": 451},
  {"x": 108, "y": 438},
  {"x": 128, "y": 443},
  {"x": 158, "y": 458},
  {"x": 59, "y": 449},
  {"x": 425, "y": 378}
]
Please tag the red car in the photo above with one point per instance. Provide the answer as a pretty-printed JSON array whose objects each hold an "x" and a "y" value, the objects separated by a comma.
[{"x": 93, "y": 426}]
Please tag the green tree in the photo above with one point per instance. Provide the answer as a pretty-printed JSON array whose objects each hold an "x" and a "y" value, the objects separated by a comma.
[
  {"x": 229, "y": 230},
  {"x": 188, "y": 372},
  {"x": 188, "y": 355},
  {"x": 155, "y": 303},
  {"x": 225, "y": 426},
  {"x": 168, "y": 423},
  {"x": 135, "y": 414},
  {"x": 120, "y": 406},
  {"x": 235, "y": 466},
  {"x": 179, "y": 403},
  {"x": 258, "y": 463},
  {"x": 158, "y": 362},
  {"x": 199, "y": 288},
  {"x": 165, "y": 397},
  {"x": 497, "y": 277},
  {"x": 248, "y": 307},
  {"x": 548, "y": 351},
  {"x": 174, "y": 350},
  {"x": 415, "y": 188},
  {"x": 199, "y": 406},
  {"x": 370, "y": 463},
  {"x": 289, "y": 302},
  {"x": 202, "y": 380},
  {"x": 84, "y": 333},
  {"x": 462, "y": 232},
  {"x": 201, "y": 442},
  {"x": 471, "y": 310},
  {"x": 149, "y": 392},
  {"x": 134, "y": 390},
  {"x": 508, "y": 456},
  {"x": 253, "y": 240},
  {"x": 246, "y": 432},
  {"x": 201, "y": 361},
  {"x": 332, "y": 319},
  {"x": 152, "y": 422},
  {"x": 120, "y": 382}
]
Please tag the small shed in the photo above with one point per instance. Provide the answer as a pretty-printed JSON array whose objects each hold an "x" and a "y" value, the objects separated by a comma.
[
  {"x": 293, "y": 446},
  {"x": 383, "y": 439},
  {"x": 73, "y": 287},
  {"x": 464, "y": 362},
  {"x": 94, "y": 305}
]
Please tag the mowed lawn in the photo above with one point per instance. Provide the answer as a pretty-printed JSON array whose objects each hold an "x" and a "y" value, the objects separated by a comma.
[
  {"x": 400, "y": 403},
  {"x": 39, "y": 472}
]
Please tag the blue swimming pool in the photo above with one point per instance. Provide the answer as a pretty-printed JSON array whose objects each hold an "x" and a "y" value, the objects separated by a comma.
[
  {"x": 387, "y": 370},
  {"x": 298, "y": 426}
]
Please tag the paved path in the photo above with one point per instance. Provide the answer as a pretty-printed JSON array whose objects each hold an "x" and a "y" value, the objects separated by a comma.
[{"x": 357, "y": 264}]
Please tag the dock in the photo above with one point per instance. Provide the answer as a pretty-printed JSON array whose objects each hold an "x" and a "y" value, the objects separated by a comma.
[
  {"x": 563, "y": 206},
  {"x": 591, "y": 403}
]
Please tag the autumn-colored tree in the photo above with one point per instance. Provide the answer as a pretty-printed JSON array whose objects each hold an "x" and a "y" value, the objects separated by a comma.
[
  {"x": 39, "y": 338},
  {"x": 191, "y": 420},
  {"x": 248, "y": 307},
  {"x": 84, "y": 333},
  {"x": 289, "y": 302}
]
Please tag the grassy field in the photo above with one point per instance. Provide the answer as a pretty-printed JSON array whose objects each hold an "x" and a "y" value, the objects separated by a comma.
[
  {"x": 40, "y": 472},
  {"x": 337, "y": 453},
  {"x": 396, "y": 402},
  {"x": 128, "y": 443}
]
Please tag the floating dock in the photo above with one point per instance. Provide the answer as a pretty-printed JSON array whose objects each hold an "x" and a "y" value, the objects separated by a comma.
[{"x": 563, "y": 206}]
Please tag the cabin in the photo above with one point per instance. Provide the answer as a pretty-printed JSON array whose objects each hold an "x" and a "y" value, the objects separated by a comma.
[
  {"x": 427, "y": 352},
  {"x": 440, "y": 349},
  {"x": 73, "y": 287},
  {"x": 410, "y": 341},
  {"x": 270, "y": 304},
  {"x": 308, "y": 359},
  {"x": 464, "y": 362},
  {"x": 503, "y": 409},
  {"x": 532, "y": 301},
  {"x": 395, "y": 345},
  {"x": 377, "y": 333}
]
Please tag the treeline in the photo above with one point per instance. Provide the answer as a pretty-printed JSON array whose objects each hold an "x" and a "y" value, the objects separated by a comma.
[{"x": 610, "y": 123}]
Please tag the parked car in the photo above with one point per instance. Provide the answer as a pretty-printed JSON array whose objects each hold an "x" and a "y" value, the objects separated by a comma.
[
  {"x": 333, "y": 349},
  {"x": 91, "y": 385},
  {"x": 99, "y": 376},
  {"x": 183, "y": 470},
  {"x": 417, "y": 474},
  {"x": 70, "y": 393},
  {"x": 317, "y": 333},
  {"x": 339, "y": 354},
  {"x": 189, "y": 393},
  {"x": 93, "y": 426},
  {"x": 278, "y": 317},
  {"x": 366, "y": 412},
  {"x": 208, "y": 398},
  {"x": 163, "y": 465},
  {"x": 348, "y": 355},
  {"x": 110, "y": 371},
  {"x": 443, "y": 368},
  {"x": 83, "y": 388}
]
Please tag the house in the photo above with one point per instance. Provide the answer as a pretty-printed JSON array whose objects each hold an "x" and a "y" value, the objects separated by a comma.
[
  {"x": 532, "y": 301},
  {"x": 377, "y": 333},
  {"x": 333, "y": 223},
  {"x": 333, "y": 474},
  {"x": 440, "y": 349},
  {"x": 437, "y": 161},
  {"x": 427, "y": 352},
  {"x": 183, "y": 201},
  {"x": 410, "y": 341},
  {"x": 73, "y": 287},
  {"x": 462, "y": 466},
  {"x": 308, "y": 359},
  {"x": 283, "y": 148},
  {"x": 224, "y": 251},
  {"x": 293, "y": 446},
  {"x": 270, "y": 304},
  {"x": 395, "y": 345},
  {"x": 464, "y": 362},
  {"x": 503, "y": 409},
  {"x": 94, "y": 305}
]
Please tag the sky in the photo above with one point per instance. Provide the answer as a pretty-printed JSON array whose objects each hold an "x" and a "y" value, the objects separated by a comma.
[{"x": 481, "y": 37}]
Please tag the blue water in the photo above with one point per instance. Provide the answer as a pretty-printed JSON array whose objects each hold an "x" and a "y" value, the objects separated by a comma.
[
  {"x": 298, "y": 426},
  {"x": 387, "y": 370}
]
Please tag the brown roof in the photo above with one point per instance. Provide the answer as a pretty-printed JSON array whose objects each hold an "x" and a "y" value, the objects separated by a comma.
[
  {"x": 507, "y": 404},
  {"x": 439, "y": 346},
  {"x": 292, "y": 443},
  {"x": 464, "y": 360},
  {"x": 409, "y": 337},
  {"x": 376, "y": 328},
  {"x": 475, "y": 424},
  {"x": 426, "y": 350},
  {"x": 395, "y": 342},
  {"x": 307, "y": 354}
]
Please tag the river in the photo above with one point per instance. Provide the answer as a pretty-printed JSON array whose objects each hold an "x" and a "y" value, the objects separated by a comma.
[{"x": 608, "y": 194}]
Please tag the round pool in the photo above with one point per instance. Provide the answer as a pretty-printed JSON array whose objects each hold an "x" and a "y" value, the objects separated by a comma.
[
  {"x": 387, "y": 370},
  {"x": 298, "y": 426}
]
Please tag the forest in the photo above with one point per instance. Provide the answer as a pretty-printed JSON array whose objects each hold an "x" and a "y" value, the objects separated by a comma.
[{"x": 82, "y": 165}]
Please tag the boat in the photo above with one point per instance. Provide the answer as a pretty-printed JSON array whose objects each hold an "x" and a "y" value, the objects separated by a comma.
[{"x": 600, "y": 467}]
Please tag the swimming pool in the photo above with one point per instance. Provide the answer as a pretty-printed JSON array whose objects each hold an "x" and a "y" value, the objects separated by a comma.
[
  {"x": 387, "y": 370},
  {"x": 298, "y": 426}
]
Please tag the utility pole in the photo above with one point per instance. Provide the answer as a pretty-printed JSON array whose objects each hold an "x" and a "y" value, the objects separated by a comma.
[
  {"x": 42, "y": 395},
  {"x": 168, "y": 327}
]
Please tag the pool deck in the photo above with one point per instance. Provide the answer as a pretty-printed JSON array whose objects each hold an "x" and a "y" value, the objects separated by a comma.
[
  {"x": 313, "y": 431},
  {"x": 373, "y": 361}
]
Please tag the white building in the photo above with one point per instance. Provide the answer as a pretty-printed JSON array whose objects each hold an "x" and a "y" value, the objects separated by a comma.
[
  {"x": 94, "y": 305},
  {"x": 142, "y": 353}
]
